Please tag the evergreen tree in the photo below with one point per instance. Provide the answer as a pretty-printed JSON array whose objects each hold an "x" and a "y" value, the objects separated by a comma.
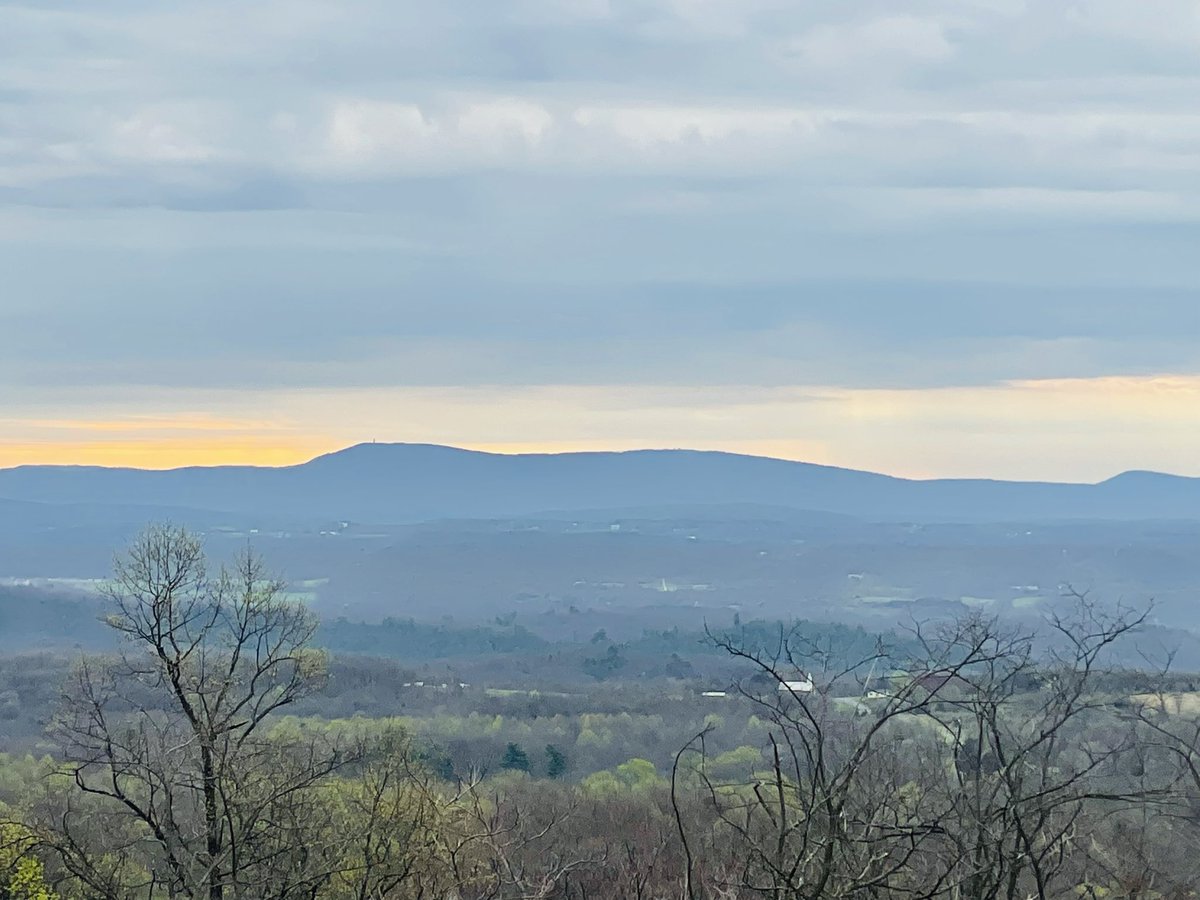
[
  {"x": 556, "y": 762},
  {"x": 604, "y": 666},
  {"x": 439, "y": 763},
  {"x": 515, "y": 758},
  {"x": 678, "y": 667}
]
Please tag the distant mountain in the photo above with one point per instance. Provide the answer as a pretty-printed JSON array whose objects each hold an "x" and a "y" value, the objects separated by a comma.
[
  {"x": 396, "y": 483},
  {"x": 24, "y": 515}
]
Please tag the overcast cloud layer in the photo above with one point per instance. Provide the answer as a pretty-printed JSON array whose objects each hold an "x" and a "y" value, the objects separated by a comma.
[{"x": 249, "y": 200}]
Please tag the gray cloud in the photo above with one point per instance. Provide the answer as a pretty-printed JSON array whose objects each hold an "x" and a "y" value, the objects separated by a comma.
[{"x": 597, "y": 191}]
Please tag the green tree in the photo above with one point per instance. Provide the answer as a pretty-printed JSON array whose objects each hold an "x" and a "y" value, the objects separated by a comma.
[
  {"x": 22, "y": 876},
  {"x": 515, "y": 759},
  {"x": 635, "y": 775},
  {"x": 556, "y": 762},
  {"x": 604, "y": 666}
]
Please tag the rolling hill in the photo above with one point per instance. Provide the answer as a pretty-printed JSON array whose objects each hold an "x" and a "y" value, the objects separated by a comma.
[{"x": 398, "y": 483}]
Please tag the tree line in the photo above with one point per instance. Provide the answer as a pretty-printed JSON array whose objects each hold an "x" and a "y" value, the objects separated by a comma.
[{"x": 984, "y": 762}]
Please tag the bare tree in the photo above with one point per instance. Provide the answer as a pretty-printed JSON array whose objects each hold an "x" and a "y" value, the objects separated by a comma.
[
  {"x": 966, "y": 775},
  {"x": 499, "y": 848},
  {"x": 181, "y": 790},
  {"x": 1037, "y": 751}
]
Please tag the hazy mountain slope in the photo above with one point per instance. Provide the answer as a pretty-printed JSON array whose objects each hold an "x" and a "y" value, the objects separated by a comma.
[
  {"x": 77, "y": 540},
  {"x": 24, "y": 515},
  {"x": 409, "y": 482}
]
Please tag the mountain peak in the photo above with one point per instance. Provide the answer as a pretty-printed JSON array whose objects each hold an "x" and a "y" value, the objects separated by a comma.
[
  {"x": 383, "y": 453},
  {"x": 1146, "y": 476},
  {"x": 401, "y": 482}
]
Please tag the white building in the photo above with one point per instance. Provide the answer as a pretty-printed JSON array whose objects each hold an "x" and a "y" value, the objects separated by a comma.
[{"x": 798, "y": 687}]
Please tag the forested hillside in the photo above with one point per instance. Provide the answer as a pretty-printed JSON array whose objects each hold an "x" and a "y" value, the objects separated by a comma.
[{"x": 215, "y": 750}]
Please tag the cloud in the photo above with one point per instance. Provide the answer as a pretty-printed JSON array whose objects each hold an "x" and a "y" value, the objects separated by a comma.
[
  {"x": 382, "y": 195},
  {"x": 875, "y": 44},
  {"x": 139, "y": 100},
  {"x": 147, "y": 137}
]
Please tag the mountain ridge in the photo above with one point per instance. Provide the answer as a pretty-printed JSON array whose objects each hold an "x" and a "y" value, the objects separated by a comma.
[{"x": 400, "y": 482}]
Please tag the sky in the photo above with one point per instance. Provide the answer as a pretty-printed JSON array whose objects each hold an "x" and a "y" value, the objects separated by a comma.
[{"x": 929, "y": 239}]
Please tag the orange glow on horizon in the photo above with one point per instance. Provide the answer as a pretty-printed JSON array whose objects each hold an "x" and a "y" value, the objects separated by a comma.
[
  {"x": 174, "y": 454},
  {"x": 1083, "y": 429},
  {"x": 163, "y": 454}
]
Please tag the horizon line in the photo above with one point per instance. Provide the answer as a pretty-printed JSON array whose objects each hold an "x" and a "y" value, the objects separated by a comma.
[{"x": 493, "y": 450}]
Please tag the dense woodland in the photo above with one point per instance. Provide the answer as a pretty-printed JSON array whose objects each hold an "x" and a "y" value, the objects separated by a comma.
[{"x": 228, "y": 747}]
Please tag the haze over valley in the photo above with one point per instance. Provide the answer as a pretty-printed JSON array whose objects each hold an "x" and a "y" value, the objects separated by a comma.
[{"x": 624, "y": 540}]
